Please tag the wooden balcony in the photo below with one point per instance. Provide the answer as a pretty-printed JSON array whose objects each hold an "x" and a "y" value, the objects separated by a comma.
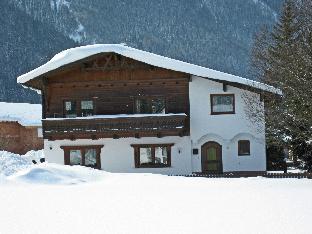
[{"x": 96, "y": 127}]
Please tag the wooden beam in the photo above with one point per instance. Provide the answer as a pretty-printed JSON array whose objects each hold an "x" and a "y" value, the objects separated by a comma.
[
  {"x": 108, "y": 59},
  {"x": 94, "y": 137},
  {"x": 115, "y": 136},
  {"x": 43, "y": 109},
  {"x": 224, "y": 87}
]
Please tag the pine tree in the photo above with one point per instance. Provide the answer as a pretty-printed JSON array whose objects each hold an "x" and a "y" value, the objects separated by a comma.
[{"x": 283, "y": 58}]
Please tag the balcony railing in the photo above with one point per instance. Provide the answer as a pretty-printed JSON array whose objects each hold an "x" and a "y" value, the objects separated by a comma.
[{"x": 96, "y": 127}]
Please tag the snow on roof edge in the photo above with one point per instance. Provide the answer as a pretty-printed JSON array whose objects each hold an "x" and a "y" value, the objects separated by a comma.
[
  {"x": 26, "y": 114},
  {"x": 78, "y": 53}
]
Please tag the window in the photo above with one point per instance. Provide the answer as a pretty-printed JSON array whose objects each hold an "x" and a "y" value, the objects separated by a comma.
[
  {"x": 152, "y": 155},
  {"x": 86, "y": 108},
  {"x": 243, "y": 147},
  {"x": 88, "y": 156},
  {"x": 222, "y": 104},
  {"x": 72, "y": 109},
  {"x": 150, "y": 105},
  {"x": 75, "y": 157},
  {"x": 161, "y": 155},
  {"x": 145, "y": 154}
]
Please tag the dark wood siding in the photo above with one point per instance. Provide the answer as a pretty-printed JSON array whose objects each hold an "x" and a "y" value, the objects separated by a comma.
[
  {"x": 113, "y": 82},
  {"x": 113, "y": 87}
]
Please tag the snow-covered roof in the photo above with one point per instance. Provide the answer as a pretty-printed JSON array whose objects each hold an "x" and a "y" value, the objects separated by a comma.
[
  {"x": 24, "y": 113},
  {"x": 74, "y": 54}
]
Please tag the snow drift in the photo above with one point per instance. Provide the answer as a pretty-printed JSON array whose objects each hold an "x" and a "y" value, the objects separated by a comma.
[
  {"x": 12, "y": 163},
  {"x": 57, "y": 174},
  {"x": 20, "y": 168}
]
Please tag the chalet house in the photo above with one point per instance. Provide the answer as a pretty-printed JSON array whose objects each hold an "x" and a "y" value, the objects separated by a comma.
[
  {"x": 121, "y": 109},
  {"x": 20, "y": 127}
]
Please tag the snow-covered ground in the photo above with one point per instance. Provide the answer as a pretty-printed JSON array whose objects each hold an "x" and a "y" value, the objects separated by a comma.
[{"x": 49, "y": 198}]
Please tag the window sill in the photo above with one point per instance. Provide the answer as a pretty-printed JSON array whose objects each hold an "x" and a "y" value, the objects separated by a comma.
[
  {"x": 244, "y": 155},
  {"x": 153, "y": 166},
  {"x": 222, "y": 113}
]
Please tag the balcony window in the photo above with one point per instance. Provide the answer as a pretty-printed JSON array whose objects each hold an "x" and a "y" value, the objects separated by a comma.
[
  {"x": 86, "y": 108},
  {"x": 70, "y": 109},
  {"x": 148, "y": 105},
  {"x": 222, "y": 104},
  {"x": 152, "y": 155},
  {"x": 142, "y": 106}
]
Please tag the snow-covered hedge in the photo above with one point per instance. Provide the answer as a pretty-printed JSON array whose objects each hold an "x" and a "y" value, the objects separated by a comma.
[{"x": 11, "y": 163}]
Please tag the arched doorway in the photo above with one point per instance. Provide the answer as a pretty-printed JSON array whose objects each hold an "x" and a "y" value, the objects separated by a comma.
[{"x": 211, "y": 157}]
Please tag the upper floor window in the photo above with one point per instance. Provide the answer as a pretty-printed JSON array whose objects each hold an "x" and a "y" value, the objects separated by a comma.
[
  {"x": 73, "y": 108},
  {"x": 70, "y": 109},
  {"x": 150, "y": 105},
  {"x": 243, "y": 147},
  {"x": 86, "y": 108},
  {"x": 222, "y": 104}
]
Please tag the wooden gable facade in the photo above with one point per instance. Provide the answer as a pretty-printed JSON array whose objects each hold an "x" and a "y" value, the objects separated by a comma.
[{"x": 114, "y": 85}]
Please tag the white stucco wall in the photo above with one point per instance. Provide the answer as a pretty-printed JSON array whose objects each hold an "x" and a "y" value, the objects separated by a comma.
[
  {"x": 117, "y": 155},
  {"x": 225, "y": 129}
]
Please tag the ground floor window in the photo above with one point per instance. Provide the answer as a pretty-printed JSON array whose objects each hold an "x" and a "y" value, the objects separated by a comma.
[
  {"x": 243, "y": 147},
  {"x": 152, "y": 155},
  {"x": 88, "y": 156}
]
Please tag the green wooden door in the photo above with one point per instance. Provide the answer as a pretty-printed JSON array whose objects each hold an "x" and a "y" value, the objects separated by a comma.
[{"x": 212, "y": 158}]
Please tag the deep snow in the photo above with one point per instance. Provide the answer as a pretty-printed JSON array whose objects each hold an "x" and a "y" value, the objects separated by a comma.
[{"x": 50, "y": 198}]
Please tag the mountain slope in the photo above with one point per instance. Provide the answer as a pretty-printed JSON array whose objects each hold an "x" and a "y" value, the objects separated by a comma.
[
  {"x": 212, "y": 33},
  {"x": 24, "y": 44}
]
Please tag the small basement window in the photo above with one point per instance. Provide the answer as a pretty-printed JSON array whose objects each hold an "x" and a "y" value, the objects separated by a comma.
[
  {"x": 243, "y": 147},
  {"x": 152, "y": 156},
  {"x": 222, "y": 104},
  {"x": 88, "y": 156}
]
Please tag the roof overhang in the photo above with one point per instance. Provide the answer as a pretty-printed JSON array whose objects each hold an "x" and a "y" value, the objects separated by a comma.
[{"x": 72, "y": 55}]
